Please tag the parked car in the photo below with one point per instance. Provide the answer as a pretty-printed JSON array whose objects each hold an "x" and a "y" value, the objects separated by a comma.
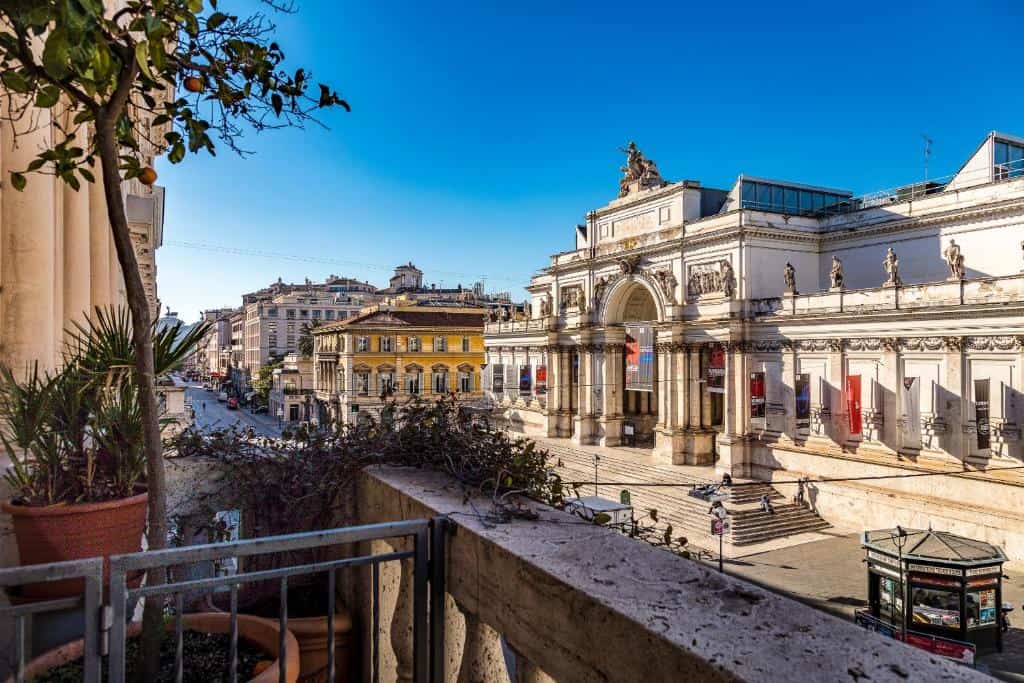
[
  {"x": 232, "y": 403},
  {"x": 223, "y": 396},
  {"x": 259, "y": 409}
]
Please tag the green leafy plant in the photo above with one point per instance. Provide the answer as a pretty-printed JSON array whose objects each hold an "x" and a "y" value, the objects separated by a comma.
[
  {"x": 120, "y": 83},
  {"x": 76, "y": 435}
]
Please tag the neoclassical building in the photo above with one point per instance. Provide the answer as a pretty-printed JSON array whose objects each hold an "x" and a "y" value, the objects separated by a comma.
[{"x": 776, "y": 329}]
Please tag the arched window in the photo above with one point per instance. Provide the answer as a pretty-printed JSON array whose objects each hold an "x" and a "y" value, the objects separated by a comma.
[
  {"x": 361, "y": 380},
  {"x": 439, "y": 381},
  {"x": 413, "y": 379},
  {"x": 385, "y": 379},
  {"x": 464, "y": 381}
]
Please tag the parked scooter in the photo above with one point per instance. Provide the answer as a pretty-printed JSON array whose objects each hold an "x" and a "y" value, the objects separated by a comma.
[{"x": 1006, "y": 609}]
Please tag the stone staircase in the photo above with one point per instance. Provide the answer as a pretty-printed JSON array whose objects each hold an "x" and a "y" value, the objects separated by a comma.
[{"x": 687, "y": 514}]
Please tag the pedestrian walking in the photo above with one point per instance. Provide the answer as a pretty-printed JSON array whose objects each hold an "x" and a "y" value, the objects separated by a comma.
[
  {"x": 766, "y": 505},
  {"x": 727, "y": 480},
  {"x": 800, "y": 491}
]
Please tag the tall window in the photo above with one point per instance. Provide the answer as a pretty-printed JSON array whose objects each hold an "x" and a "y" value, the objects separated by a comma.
[
  {"x": 440, "y": 381},
  {"x": 414, "y": 344},
  {"x": 465, "y": 344},
  {"x": 316, "y": 313},
  {"x": 413, "y": 381},
  {"x": 362, "y": 382},
  {"x": 465, "y": 381},
  {"x": 386, "y": 382},
  {"x": 362, "y": 344},
  {"x": 440, "y": 343},
  {"x": 1009, "y": 159},
  {"x": 291, "y": 313},
  {"x": 386, "y": 344}
]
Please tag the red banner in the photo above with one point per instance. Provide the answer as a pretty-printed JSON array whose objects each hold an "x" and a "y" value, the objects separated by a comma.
[{"x": 853, "y": 402}]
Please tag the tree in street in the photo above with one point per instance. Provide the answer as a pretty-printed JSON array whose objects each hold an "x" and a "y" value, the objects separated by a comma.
[{"x": 121, "y": 82}]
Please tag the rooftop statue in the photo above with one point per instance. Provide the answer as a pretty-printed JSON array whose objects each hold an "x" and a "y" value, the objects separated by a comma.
[{"x": 639, "y": 171}]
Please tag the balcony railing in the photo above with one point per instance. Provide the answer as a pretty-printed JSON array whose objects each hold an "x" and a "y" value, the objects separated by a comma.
[
  {"x": 419, "y": 542},
  {"x": 552, "y": 596}
]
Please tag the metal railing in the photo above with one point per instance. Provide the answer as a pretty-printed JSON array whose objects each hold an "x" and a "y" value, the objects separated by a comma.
[
  {"x": 427, "y": 559},
  {"x": 91, "y": 572}
]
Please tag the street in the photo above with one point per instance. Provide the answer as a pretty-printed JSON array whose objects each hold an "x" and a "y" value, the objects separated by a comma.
[{"x": 211, "y": 413}]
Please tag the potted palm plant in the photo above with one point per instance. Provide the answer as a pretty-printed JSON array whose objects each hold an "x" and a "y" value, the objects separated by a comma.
[{"x": 75, "y": 442}]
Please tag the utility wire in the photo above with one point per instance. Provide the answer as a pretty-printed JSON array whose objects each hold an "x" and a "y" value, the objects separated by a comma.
[{"x": 238, "y": 251}]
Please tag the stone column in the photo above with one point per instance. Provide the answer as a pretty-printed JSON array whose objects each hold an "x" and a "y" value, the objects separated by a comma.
[
  {"x": 788, "y": 371},
  {"x": 670, "y": 440},
  {"x": 99, "y": 246},
  {"x": 614, "y": 387},
  {"x": 483, "y": 659},
  {"x": 954, "y": 441},
  {"x": 732, "y": 443},
  {"x": 890, "y": 376},
  {"x": 584, "y": 420},
  {"x": 838, "y": 428},
  {"x": 402, "y": 621},
  {"x": 77, "y": 274},
  {"x": 528, "y": 672},
  {"x": 27, "y": 263}
]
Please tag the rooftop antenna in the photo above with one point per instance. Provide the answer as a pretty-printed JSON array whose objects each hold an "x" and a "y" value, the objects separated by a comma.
[{"x": 927, "y": 154}]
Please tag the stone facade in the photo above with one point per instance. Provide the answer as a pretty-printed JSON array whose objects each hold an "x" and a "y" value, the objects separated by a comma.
[
  {"x": 884, "y": 296},
  {"x": 397, "y": 353}
]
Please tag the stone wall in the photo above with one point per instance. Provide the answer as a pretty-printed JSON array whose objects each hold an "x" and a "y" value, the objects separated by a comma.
[{"x": 570, "y": 601}]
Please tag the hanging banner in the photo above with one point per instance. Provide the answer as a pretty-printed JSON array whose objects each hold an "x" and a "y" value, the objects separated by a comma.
[
  {"x": 911, "y": 400},
  {"x": 541, "y": 381},
  {"x": 981, "y": 399},
  {"x": 716, "y": 370},
  {"x": 853, "y": 403},
  {"x": 498, "y": 378},
  {"x": 525, "y": 380},
  {"x": 757, "y": 399},
  {"x": 639, "y": 358},
  {"x": 511, "y": 379},
  {"x": 803, "y": 401}
]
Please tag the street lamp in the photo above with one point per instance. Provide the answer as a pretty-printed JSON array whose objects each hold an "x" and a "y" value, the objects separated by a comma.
[{"x": 899, "y": 537}]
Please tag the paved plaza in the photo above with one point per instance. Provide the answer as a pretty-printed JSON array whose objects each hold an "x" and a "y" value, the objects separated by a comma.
[{"x": 824, "y": 569}]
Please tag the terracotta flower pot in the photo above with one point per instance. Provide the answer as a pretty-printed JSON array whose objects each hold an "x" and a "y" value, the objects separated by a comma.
[
  {"x": 73, "y": 532},
  {"x": 261, "y": 632},
  {"x": 311, "y": 635}
]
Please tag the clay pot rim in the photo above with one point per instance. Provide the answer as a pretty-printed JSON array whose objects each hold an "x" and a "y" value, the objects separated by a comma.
[
  {"x": 73, "y": 650},
  {"x": 61, "y": 509}
]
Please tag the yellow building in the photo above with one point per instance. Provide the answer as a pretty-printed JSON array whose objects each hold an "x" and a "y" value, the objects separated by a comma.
[{"x": 396, "y": 353}]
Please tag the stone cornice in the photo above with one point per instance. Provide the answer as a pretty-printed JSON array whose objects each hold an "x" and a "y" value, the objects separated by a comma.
[{"x": 653, "y": 194}]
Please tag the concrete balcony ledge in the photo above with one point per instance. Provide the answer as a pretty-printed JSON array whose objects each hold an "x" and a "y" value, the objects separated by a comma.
[{"x": 583, "y": 603}]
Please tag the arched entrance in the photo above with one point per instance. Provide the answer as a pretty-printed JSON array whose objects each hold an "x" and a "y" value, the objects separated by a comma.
[{"x": 635, "y": 308}]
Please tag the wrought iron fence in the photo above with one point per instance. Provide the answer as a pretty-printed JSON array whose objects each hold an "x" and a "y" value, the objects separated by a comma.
[
  {"x": 426, "y": 554},
  {"x": 90, "y": 571}
]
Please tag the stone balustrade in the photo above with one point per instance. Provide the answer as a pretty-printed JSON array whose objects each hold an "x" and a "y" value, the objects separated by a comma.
[
  {"x": 908, "y": 296},
  {"x": 560, "y": 599}
]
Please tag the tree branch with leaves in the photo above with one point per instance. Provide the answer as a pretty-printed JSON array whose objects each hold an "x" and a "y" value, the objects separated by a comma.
[{"x": 125, "y": 82}]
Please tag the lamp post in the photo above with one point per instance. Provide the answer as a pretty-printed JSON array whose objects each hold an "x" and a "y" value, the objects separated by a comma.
[{"x": 899, "y": 537}]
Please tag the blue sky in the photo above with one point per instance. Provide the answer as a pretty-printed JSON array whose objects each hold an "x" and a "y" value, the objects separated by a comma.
[{"x": 482, "y": 132}]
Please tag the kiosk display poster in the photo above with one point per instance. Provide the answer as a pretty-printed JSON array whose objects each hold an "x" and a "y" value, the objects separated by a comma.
[
  {"x": 525, "y": 380},
  {"x": 716, "y": 370},
  {"x": 639, "y": 358},
  {"x": 757, "y": 405},
  {"x": 498, "y": 378},
  {"x": 911, "y": 399},
  {"x": 803, "y": 401},
  {"x": 853, "y": 402},
  {"x": 541, "y": 381},
  {"x": 981, "y": 399}
]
